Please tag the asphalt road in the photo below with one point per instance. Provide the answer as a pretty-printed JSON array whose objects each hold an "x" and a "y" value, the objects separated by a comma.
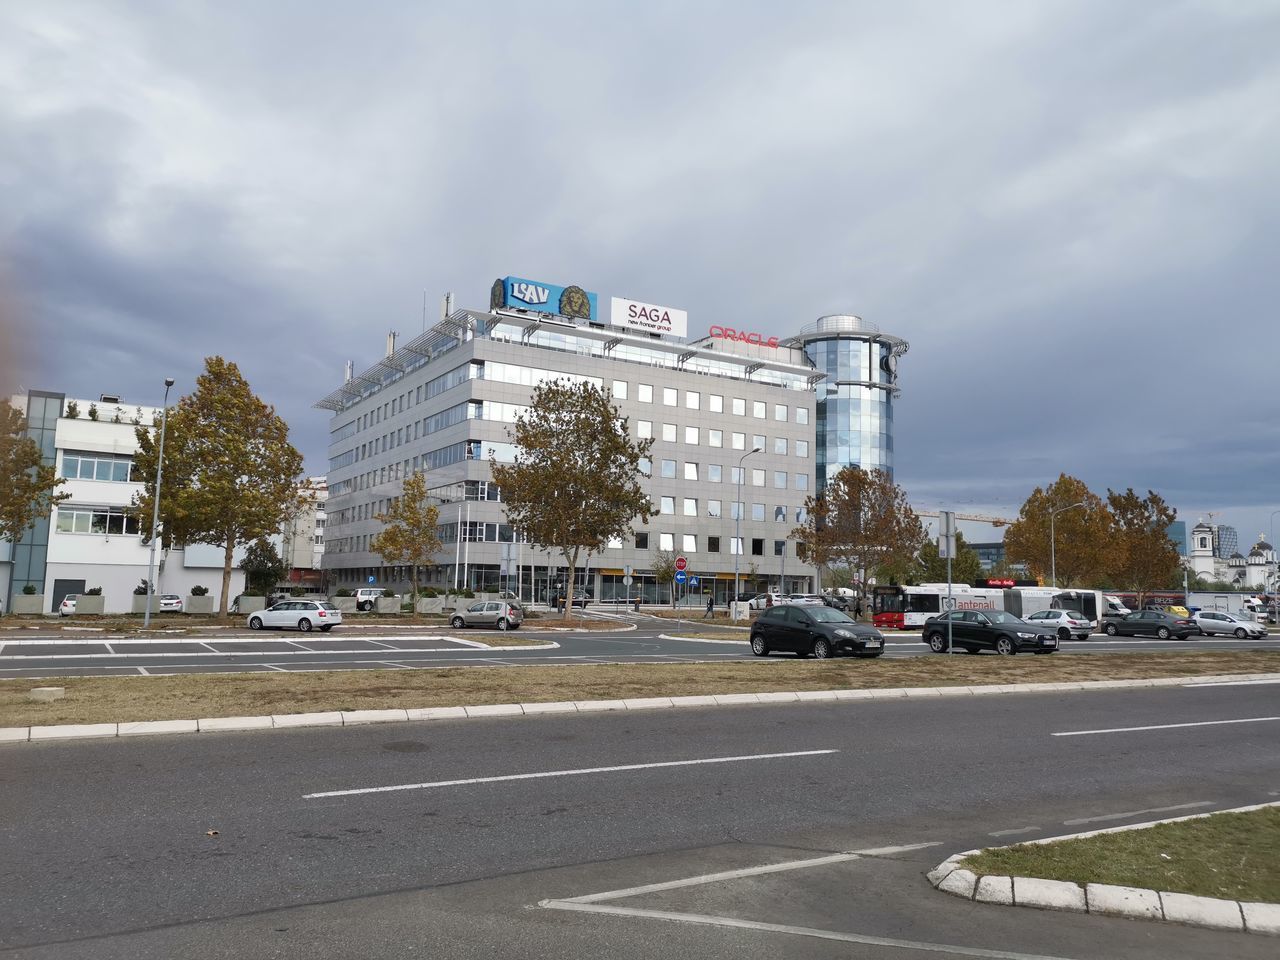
[
  {"x": 110, "y": 850},
  {"x": 642, "y": 639}
]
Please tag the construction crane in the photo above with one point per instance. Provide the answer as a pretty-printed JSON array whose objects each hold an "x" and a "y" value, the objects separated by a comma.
[{"x": 978, "y": 517}]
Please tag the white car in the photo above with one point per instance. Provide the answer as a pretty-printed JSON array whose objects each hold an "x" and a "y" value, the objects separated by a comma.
[
  {"x": 367, "y": 597},
  {"x": 170, "y": 603},
  {"x": 762, "y": 601},
  {"x": 304, "y": 615},
  {"x": 1212, "y": 622},
  {"x": 1069, "y": 624},
  {"x": 806, "y": 600},
  {"x": 68, "y": 605}
]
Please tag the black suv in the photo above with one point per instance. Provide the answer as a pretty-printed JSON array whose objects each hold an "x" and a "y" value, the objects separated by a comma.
[
  {"x": 812, "y": 629},
  {"x": 976, "y": 630},
  {"x": 1151, "y": 623}
]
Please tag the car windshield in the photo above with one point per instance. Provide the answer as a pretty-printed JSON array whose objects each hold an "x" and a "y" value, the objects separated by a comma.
[
  {"x": 999, "y": 616},
  {"x": 828, "y": 615},
  {"x": 328, "y": 606}
]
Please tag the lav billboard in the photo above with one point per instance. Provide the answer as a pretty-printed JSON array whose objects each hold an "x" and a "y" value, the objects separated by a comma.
[{"x": 516, "y": 293}]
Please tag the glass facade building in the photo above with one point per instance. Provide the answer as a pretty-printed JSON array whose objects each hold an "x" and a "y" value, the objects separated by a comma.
[{"x": 854, "y": 414}]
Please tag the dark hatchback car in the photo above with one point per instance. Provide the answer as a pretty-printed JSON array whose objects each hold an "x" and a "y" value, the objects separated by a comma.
[
  {"x": 811, "y": 629},
  {"x": 975, "y": 630},
  {"x": 1152, "y": 623}
]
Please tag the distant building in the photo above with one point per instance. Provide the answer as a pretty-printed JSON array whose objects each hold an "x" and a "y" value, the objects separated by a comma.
[
  {"x": 1178, "y": 534},
  {"x": 302, "y": 537},
  {"x": 989, "y": 554},
  {"x": 1257, "y": 571},
  {"x": 1225, "y": 541}
]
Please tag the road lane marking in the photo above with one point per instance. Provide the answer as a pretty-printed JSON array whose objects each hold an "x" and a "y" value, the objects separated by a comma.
[
  {"x": 1162, "y": 726},
  {"x": 1230, "y": 683},
  {"x": 1135, "y": 813},
  {"x": 1011, "y": 833},
  {"x": 564, "y": 773}
]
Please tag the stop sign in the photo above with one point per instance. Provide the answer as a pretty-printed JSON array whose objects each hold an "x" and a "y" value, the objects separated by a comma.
[{"x": 681, "y": 563}]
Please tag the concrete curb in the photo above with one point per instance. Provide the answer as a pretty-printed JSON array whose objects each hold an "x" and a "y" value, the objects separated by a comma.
[
  {"x": 951, "y": 876},
  {"x": 361, "y": 717}
]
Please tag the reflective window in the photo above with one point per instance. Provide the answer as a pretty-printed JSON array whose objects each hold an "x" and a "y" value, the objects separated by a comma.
[
  {"x": 669, "y": 469},
  {"x": 715, "y": 438},
  {"x": 690, "y": 471},
  {"x": 691, "y": 436},
  {"x": 757, "y": 478},
  {"x": 780, "y": 412},
  {"x": 780, "y": 479},
  {"x": 713, "y": 472},
  {"x": 619, "y": 389},
  {"x": 669, "y": 432},
  {"x": 669, "y": 396},
  {"x": 644, "y": 429},
  {"x": 667, "y": 505},
  {"x": 689, "y": 543},
  {"x": 666, "y": 541},
  {"x": 692, "y": 399},
  {"x": 644, "y": 392},
  {"x": 690, "y": 506},
  {"x": 758, "y": 409},
  {"x": 780, "y": 445},
  {"x": 715, "y": 403},
  {"x": 739, "y": 441},
  {"x": 739, "y": 407}
]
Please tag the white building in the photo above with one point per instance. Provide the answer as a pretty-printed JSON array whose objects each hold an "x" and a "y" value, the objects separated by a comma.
[
  {"x": 90, "y": 540},
  {"x": 1257, "y": 571},
  {"x": 302, "y": 537}
]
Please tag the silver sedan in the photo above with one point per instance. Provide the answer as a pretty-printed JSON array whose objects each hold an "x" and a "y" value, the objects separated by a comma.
[
  {"x": 304, "y": 615},
  {"x": 1213, "y": 622}
]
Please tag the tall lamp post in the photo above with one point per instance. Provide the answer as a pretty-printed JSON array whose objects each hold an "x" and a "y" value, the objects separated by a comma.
[
  {"x": 1275, "y": 600},
  {"x": 737, "y": 530},
  {"x": 1053, "y": 540},
  {"x": 155, "y": 510}
]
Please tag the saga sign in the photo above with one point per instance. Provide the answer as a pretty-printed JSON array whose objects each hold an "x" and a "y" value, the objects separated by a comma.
[
  {"x": 742, "y": 336},
  {"x": 648, "y": 317},
  {"x": 516, "y": 293}
]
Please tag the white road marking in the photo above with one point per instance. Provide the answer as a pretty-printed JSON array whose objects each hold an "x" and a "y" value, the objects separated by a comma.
[
  {"x": 143, "y": 671},
  {"x": 1230, "y": 683},
  {"x": 1135, "y": 813},
  {"x": 565, "y": 773},
  {"x": 1011, "y": 833},
  {"x": 1162, "y": 726}
]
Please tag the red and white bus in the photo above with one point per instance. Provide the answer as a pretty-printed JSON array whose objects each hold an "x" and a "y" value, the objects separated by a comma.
[{"x": 907, "y": 608}]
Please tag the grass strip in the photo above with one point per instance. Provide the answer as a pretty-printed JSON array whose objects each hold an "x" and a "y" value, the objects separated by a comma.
[
  {"x": 1233, "y": 856},
  {"x": 111, "y": 699}
]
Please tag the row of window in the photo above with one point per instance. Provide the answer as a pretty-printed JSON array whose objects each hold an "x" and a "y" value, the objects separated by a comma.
[
  {"x": 481, "y": 532},
  {"x": 100, "y": 520},
  {"x": 670, "y": 397},
  {"x": 715, "y": 438},
  {"x": 667, "y": 507},
  {"x": 97, "y": 466},
  {"x": 714, "y": 473}
]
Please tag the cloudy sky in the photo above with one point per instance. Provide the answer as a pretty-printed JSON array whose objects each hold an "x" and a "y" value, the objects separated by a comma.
[{"x": 1070, "y": 209}]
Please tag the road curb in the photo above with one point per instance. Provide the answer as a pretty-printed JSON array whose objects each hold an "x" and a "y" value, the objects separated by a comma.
[
  {"x": 1242, "y": 916},
  {"x": 334, "y": 718}
]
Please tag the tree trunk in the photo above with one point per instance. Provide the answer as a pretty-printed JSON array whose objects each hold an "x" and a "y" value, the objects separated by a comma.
[
  {"x": 226, "y": 576},
  {"x": 568, "y": 591}
]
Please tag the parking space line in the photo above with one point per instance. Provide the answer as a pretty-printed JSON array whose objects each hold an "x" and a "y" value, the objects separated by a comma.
[
  {"x": 1162, "y": 726},
  {"x": 581, "y": 771},
  {"x": 1135, "y": 813},
  {"x": 1012, "y": 833}
]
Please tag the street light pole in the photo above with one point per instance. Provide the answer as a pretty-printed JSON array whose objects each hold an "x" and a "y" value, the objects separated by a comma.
[
  {"x": 1053, "y": 540},
  {"x": 155, "y": 507},
  {"x": 737, "y": 529}
]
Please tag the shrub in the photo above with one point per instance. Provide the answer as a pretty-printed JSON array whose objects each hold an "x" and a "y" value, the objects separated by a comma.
[
  {"x": 93, "y": 411},
  {"x": 30, "y": 590},
  {"x": 469, "y": 594},
  {"x": 73, "y": 410},
  {"x": 199, "y": 591},
  {"x": 342, "y": 592},
  {"x": 388, "y": 592},
  {"x": 430, "y": 593},
  {"x": 142, "y": 589},
  {"x": 93, "y": 592}
]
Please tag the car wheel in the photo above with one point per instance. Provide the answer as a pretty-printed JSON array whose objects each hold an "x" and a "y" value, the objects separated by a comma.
[
  {"x": 1005, "y": 647},
  {"x": 1240, "y": 634},
  {"x": 758, "y": 646},
  {"x": 326, "y": 628},
  {"x": 502, "y": 623},
  {"x": 364, "y": 605},
  {"x": 255, "y": 623},
  {"x": 304, "y": 625},
  {"x": 457, "y": 623},
  {"x": 1163, "y": 633},
  {"x": 1063, "y": 634},
  {"x": 937, "y": 643},
  {"x": 1111, "y": 630},
  {"x": 822, "y": 649}
]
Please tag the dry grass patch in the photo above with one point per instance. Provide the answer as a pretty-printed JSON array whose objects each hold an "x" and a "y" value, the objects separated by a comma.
[
  {"x": 108, "y": 699},
  {"x": 1235, "y": 856}
]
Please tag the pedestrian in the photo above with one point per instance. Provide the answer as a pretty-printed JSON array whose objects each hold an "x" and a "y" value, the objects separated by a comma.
[
  {"x": 711, "y": 608},
  {"x": 857, "y": 609}
]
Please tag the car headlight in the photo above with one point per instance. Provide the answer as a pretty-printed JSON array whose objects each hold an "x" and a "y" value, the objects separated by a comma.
[
  {"x": 1026, "y": 636},
  {"x": 843, "y": 634}
]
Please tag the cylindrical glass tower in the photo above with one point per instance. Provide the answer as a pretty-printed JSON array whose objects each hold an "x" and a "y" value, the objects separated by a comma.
[{"x": 855, "y": 404}]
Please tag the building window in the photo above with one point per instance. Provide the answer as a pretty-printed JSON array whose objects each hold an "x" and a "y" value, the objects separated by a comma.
[
  {"x": 802, "y": 481},
  {"x": 619, "y": 389},
  {"x": 739, "y": 407},
  {"x": 738, "y": 441},
  {"x": 802, "y": 414},
  {"x": 757, "y": 441},
  {"x": 802, "y": 448},
  {"x": 644, "y": 429},
  {"x": 735, "y": 474},
  {"x": 780, "y": 412},
  {"x": 715, "y": 438},
  {"x": 757, "y": 478},
  {"x": 103, "y": 521},
  {"x": 757, "y": 547},
  {"x": 713, "y": 508},
  {"x": 642, "y": 540},
  {"x": 670, "y": 395},
  {"x": 98, "y": 466},
  {"x": 690, "y": 543},
  {"x": 713, "y": 544},
  {"x": 666, "y": 541},
  {"x": 780, "y": 514},
  {"x": 669, "y": 469},
  {"x": 646, "y": 467},
  {"x": 713, "y": 472},
  {"x": 692, "y": 399},
  {"x": 690, "y": 506},
  {"x": 779, "y": 547},
  {"x": 735, "y": 510},
  {"x": 691, "y": 436},
  {"x": 735, "y": 545},
  {"x": 757, "y": 511},
  {"x": 715, "y": 403},
  {"x": 644, "y": 392},
  {"x": 690, "y": 470},
  {"x": 667, "y": 505},
  {"x": 758, "y": 409},
  {"x": 669, "y": 433},
  {"x": 779, "y": 479},
  {"x": 780, "y": 446}
]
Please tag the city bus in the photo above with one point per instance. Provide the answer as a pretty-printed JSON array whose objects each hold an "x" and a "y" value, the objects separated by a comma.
[{"x": 907, "y": 608}]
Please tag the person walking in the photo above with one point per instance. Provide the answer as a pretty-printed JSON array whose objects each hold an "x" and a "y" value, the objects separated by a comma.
[
  {"x": 857, "y": 609},
  {"x": 711, "y": 608}
]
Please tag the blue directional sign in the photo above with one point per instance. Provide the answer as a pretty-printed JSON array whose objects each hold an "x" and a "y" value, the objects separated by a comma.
[{"x": 680, "y": 576}]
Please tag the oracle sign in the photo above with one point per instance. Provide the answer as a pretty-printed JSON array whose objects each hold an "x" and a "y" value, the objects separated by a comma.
[
  {"x": 742, "y": 336},
  {"x": 648, "y": 317}
]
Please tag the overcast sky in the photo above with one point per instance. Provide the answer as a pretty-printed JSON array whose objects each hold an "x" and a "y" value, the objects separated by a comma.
[{"x": 1069, "y": 209}]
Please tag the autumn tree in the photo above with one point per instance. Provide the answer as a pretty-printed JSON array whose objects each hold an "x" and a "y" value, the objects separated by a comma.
[
  {"x": 575, "y": 483},
  {"x": 1143, "y": 557},
  {"x": 27, "y": 483},
  {"x": 663, "y": 566},
  {"x": 410, "y": 534},
  {"x": 230, "y": 474},
  {"x": 966, "y": 567},
  {"x": 1082, "y": 534},
  {"x": 861, "y": 519}
]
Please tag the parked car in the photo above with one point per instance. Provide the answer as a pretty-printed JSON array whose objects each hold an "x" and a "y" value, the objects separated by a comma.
[
  {"x": 1068, "y": 623},
  {"x": 500, "y": 614},
  {"x": 976, "y": 630},
  {"x": 304, "y": 615},
  {"x": 580, "y": 599},
  {"x": 68, "y": 605},
  {"x": 1152, "y": 623},
  {"x": 817, "y": 630},
  {"x": 366, "y": 597},
  {"x": 806, "y": 599},
  {"x": 1211, "y": 623},
  {"x": 837, "y": 601},
  {"x": 170, "y": 603},
  {"x": 762, "y": 601}
]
